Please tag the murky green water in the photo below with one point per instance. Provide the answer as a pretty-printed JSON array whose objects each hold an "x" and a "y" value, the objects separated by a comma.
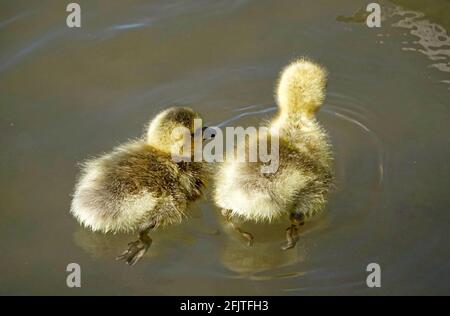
[{"x": 68, "y": 94}]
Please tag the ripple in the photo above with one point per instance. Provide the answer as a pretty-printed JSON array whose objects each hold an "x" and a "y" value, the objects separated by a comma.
[
  {"x": 15, "y": 18},
  {"x": 244, "y": 114},
  {"x": 375, "y": 138},
  {"x": 141, "y": 17},
  {"x": 432, "y": 39}
]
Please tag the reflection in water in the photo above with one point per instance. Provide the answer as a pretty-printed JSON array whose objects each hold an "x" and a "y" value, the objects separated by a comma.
[
  {"x": 247, "y": 262},
  {"x": 433, "y": 40},
  {"x": 359, "y": 16},
  {"x": 108, "y": 246},
  {"x": 265, "y": 259},
  {"x": 68, "y": 94}
]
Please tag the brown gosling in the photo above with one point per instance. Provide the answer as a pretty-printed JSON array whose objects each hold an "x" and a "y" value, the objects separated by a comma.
[{"x": 138, "y": 187}]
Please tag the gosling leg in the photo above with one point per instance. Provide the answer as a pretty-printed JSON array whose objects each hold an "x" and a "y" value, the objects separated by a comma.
[
  {"x": 137, "y": 249},
  {"x": 229, "y": 218},
  {"x": 297, "y": 220}
]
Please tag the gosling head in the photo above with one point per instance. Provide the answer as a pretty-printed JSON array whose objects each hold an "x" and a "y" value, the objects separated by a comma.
[
  {"x": 168, "y": 130},
  {"x": 301, "y": 87}
]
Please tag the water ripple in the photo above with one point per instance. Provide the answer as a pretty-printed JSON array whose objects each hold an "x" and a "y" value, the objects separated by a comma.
[{"x": 432, "y": 38}]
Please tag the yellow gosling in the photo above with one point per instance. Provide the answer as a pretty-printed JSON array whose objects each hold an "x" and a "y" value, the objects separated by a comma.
[{"x": 299, "y": 187}]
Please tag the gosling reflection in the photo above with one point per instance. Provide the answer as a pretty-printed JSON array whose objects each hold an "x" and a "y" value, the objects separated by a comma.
[
  {"x": 99, "y": 245},
  {"x": 264, "y": 255},
  {"x": 265, "y": 259}
]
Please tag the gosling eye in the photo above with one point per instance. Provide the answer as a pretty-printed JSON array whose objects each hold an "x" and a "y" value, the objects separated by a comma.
[
  {"x": 208, "y": 133},
  {"x": 197, "y": 132}
]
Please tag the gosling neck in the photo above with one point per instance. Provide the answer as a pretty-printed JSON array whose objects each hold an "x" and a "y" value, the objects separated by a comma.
[
  {"x": 293, "y": 120},
  {"x": 161, "y": 144}
]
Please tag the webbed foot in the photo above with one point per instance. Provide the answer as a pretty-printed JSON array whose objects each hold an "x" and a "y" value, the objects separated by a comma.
[
  {"x": 228, "y": 216},
  {"x": 297, "y": 220},
  {"x": 135, "y": 251},
  {"x": 247, "y": 236}
]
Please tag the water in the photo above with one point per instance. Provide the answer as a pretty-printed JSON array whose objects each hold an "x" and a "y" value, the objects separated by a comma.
[{"x": 68, "y": 94}]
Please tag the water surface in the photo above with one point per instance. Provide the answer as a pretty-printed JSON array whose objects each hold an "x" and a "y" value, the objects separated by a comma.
[{"x": 69, "y": 94}]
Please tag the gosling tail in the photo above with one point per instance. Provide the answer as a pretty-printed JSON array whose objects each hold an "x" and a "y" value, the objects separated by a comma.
[{"x": 301, "y": 87}]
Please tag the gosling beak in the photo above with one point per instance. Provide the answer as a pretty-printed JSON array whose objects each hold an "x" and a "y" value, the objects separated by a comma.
[{"x": 208, "y": 133}]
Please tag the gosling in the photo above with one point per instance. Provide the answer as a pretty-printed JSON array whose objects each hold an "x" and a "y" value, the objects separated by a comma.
[
  {"x": 139, "y": 187},
  {"x": 299, "y": 186}
]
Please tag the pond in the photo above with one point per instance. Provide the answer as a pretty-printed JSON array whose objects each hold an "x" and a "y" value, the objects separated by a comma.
[{"x": 67, "y": 94}]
